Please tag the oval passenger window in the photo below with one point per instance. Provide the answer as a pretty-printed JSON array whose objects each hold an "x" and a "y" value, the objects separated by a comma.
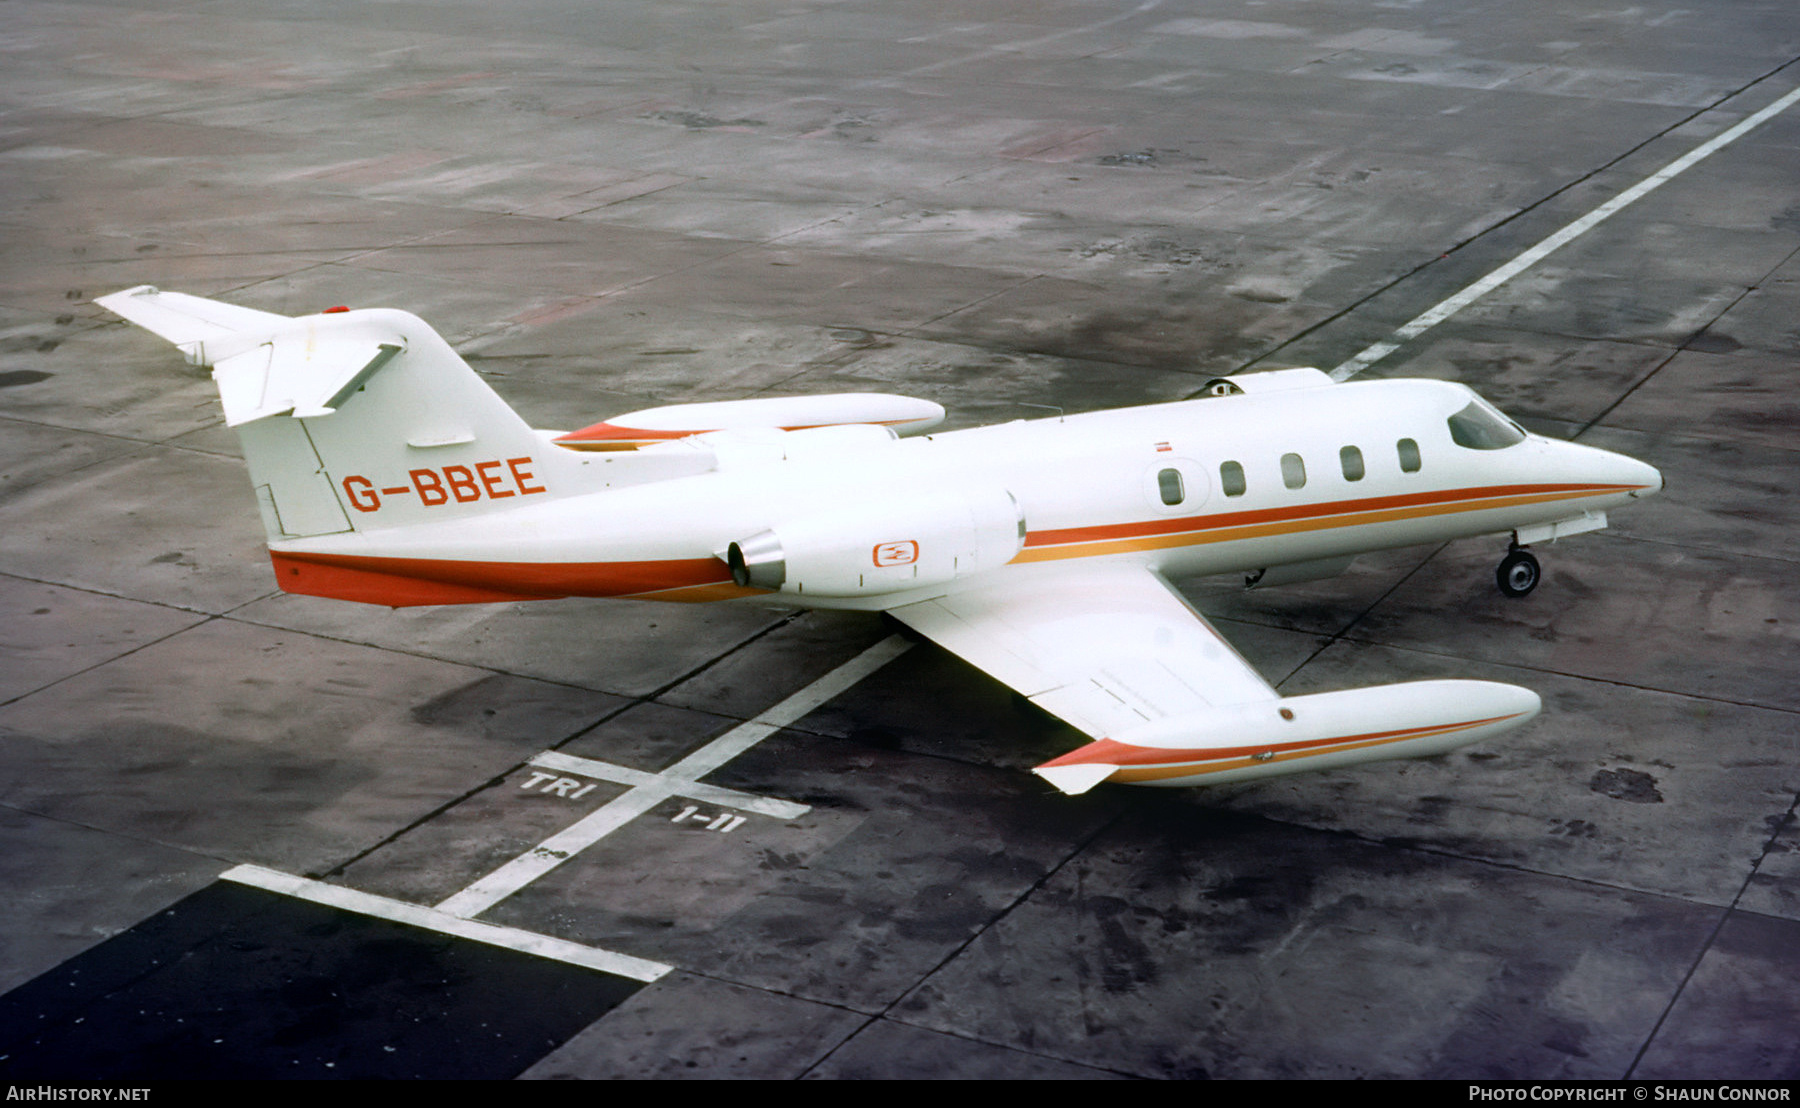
[
  {"x": 1231, "y": 478},
  {"x": 1168, "y": 483}
]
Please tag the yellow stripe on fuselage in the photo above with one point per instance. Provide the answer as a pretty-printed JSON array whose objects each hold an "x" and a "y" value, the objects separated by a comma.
[{"x": 1327, "y": 519}]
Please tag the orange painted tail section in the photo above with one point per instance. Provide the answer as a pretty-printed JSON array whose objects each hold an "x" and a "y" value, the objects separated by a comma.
[
  {"x": 407, "y": 582},
  {"x": 391, "y": 590}
]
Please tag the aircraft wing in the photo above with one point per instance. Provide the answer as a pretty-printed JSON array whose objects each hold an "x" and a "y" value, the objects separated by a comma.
[{"x": 1106, "y": 647}]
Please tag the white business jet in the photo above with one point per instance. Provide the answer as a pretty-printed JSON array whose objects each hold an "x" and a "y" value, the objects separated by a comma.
[{"x": 1039, "y": 551}]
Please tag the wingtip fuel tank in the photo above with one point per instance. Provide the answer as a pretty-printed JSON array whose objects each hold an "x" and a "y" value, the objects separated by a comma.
[{"x": 1294, "y": 734}]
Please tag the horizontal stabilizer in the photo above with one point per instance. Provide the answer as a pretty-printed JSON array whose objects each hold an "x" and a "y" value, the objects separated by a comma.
[
  {"x": 189, "y": 322},
  {"x": 301, "y": 373},
  {"x": 267, "y": 364},
  {"x": 356, "y": 421}
]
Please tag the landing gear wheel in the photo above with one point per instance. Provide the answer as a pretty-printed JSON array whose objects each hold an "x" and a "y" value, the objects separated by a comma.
[{"x": 1518, "y": 573}]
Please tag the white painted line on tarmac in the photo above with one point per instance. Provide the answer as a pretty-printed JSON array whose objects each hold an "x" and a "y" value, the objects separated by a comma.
[
  {"x": 707, "y": 794},
  {"x": 416, "y": 915},
  {"x": 734, "y": 742},
  {"x": 1544, "y": 249},
  {"x": 680, "y": 779}
]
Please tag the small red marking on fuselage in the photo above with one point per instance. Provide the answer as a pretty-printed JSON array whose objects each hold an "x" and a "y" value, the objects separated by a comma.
[
  {"x": 463, "y": 484},
  {"x": 903, "y": 553}
]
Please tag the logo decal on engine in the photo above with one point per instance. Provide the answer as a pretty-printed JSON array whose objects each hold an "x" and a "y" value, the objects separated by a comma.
[{"x": 903, "y": 553}]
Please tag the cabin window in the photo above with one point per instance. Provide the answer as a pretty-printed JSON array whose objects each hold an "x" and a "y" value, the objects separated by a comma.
[
  {"x": 1231, "y": 479},
  {"x": 1480, "y": 427},
  {"x": 1293, "y": 471},
  {"x": 1352, "y": 461},
  {"x": 1168, "y": 483},
  {"x": 1409, "y": 455}
]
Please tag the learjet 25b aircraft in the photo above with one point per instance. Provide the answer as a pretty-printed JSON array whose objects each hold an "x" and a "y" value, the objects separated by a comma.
[{"x": 1039, "y": 551}]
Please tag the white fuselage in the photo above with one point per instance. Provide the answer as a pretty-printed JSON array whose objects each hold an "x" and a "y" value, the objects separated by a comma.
[
  {"x": 387, "y": 472},
  {"x": 1223, "y": 484}
]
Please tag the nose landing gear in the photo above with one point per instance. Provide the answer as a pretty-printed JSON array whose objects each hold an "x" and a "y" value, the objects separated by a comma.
[{"x": 1518, "y": 573}]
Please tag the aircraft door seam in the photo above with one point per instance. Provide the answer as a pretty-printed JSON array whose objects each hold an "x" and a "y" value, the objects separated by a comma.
[{"x": 336, "y": 493}]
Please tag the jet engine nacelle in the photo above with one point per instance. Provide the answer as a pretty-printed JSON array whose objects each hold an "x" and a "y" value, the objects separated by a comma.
[{"x": 891, "y": 542}]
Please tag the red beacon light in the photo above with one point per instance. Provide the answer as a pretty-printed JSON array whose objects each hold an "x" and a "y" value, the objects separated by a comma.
[{"x": 339, "y": 308}]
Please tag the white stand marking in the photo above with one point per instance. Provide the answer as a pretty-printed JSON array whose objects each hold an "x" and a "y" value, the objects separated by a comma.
[
  {"x": 648, "y": 790},
  {"x": 1555, "y": 242},
  {"x": 637, "y": 778},
  {"x": 399, "y": 911}
]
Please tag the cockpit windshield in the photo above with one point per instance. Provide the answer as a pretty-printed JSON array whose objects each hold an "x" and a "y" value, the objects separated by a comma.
[{"x": 1480, "y": 427}]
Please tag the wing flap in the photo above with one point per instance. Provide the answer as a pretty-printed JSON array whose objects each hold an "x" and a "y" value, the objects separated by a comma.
[{"x": 1106, "y": 648}]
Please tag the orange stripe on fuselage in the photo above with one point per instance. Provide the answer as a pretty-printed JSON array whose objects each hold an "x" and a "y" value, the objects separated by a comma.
[
  {"x": 1161, "y": 534},
  {"x": 403, "y": 582}
]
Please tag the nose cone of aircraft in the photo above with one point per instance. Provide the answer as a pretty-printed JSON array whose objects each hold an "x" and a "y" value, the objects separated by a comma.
[
  {"x": 1643, "y": 474},
  {"x": 1603, "y": 467}
]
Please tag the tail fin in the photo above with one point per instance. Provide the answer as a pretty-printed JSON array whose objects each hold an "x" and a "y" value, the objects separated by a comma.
[{"x": 353, "y": 420}]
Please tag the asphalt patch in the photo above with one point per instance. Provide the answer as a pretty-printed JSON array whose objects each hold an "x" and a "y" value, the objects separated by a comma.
[
  {"x": 237, "y": 982},
  {"x": 1626, "y": 784}
]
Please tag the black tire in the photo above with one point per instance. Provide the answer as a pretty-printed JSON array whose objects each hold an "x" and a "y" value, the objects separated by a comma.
[{"x": 1518, "y": 574}]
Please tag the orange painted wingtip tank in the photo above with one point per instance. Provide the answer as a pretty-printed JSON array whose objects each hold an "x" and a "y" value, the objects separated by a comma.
[
  {"x": 905, "y": 415},
  {"x": 1322, "y": 731}
]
